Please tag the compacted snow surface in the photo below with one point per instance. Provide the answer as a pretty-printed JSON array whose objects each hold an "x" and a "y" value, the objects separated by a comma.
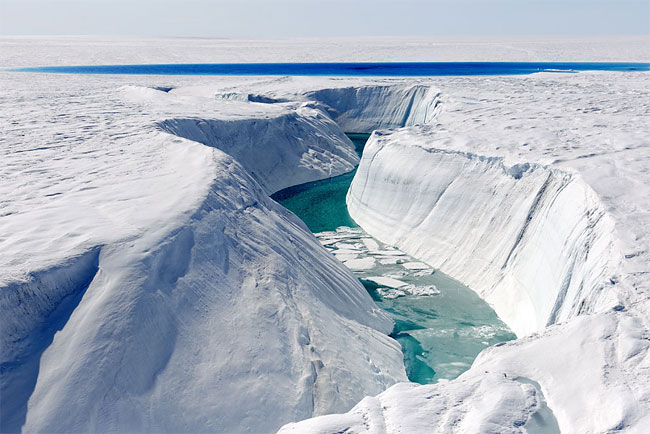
[{"x": 148, "y": 282}]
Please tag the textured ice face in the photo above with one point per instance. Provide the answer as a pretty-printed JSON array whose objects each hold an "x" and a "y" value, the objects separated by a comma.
[{"x": 538, "y": 245}]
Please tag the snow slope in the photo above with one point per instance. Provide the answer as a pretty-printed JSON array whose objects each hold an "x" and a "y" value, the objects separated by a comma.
[
  {"x": 356, "y": 105},
  {"x": 588, "y": 375},
  {"x": 194, "y": 330},
  {"x": 533, "y": 191},
  {"x": 150, "y": 281}
]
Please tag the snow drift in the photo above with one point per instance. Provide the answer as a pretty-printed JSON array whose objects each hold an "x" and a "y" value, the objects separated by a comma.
[
  {"x": 362, "y": 109},
  {"x": 357, "y": 106},
  {"x": 176, "y": 333},
  {"x": 300, "y": 146},
  {"x": 162, "y": 289}
]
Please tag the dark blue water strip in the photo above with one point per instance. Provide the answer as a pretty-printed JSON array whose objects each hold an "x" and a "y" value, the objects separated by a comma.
[{"x": 421, "y": 69}]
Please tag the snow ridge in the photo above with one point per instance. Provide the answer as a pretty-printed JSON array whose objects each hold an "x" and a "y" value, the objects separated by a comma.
[
  {"x": 203, "y": 285},
  {"x": 357, "y": 106},
  {"x": 307, "y": 145},
  {"x": 166, "y": 320},
  {"x": 41, "y": 304},
  {"x": 363, "y": 109}
]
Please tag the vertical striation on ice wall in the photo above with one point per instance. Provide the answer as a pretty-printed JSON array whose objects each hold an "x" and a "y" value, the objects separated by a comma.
[
  {"x": 534, "y": 241},
  {"x": 299, "y": 146},
  {"x": 365, "y": 108}
]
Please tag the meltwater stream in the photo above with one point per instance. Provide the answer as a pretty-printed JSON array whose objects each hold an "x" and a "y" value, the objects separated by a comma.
[{"x": 441, "y": 324}]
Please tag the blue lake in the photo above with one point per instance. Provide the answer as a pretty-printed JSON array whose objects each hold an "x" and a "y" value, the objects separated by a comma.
[{"x": 397, "y": 69}]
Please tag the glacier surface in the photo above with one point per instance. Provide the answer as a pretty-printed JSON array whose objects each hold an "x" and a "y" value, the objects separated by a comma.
[{"x": 149, "y": 284}]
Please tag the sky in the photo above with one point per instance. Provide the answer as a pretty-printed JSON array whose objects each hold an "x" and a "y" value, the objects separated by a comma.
[{"x": 318, "y": 18}]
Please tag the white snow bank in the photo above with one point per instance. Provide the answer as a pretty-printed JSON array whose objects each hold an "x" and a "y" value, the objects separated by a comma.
[
  {"x": 150, "y": 284},
  {"x": 485, "y": 404},
  {"x": 386, "y": 281},
  {"x": 592, "y": 372},
  {"x": 360, "y": 264},
  {"x": 298, "y": 147},
  {"x": 362, "y": 109},
  {"x": 579, "y": 140},
  {"x": 33, "y": 310},
  {"x": 356, "y": 105}
]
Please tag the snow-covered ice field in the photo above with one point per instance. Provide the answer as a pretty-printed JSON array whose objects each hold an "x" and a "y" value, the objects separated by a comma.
[{"x": 148, "y": 282}]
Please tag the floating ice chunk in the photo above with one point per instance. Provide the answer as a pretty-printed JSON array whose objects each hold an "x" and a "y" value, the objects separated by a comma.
[
  {"x": 389, "y": 294},
  {"x": 348, "y": 230},
  {"x": 389, "y": 288},
  {"x": 388, "y": 261},
  {"x": 415, "y": 265},
  {"x": 393, "y": 259},
  {"x": 386, "y": 281},
  {"x": 360, "y": 263},
  {"x": 370, "y": 243},
  {"x": 328, "y": 238},
  {"x": 424, "y": 290},
  {"x": 346, "y": 256},
  {"x": 329, "y": 241},
  {"x": 387, "y": 252},
  {"x": 350, "y": 251},
  {"x": 347, "y": 246}
]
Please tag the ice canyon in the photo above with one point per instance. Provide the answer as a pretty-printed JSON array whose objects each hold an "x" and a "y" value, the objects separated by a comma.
[{"x": 150, "y": 284}]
